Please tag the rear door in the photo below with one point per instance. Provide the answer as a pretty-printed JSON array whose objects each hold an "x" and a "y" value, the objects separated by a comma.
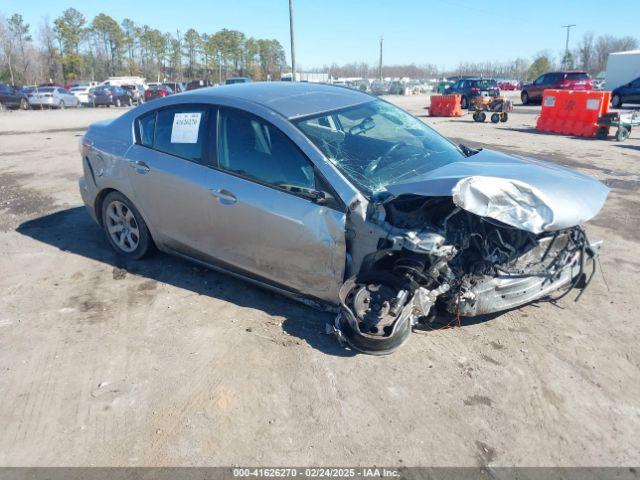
[
  {"x": 265, "y": 221},
  {"x": 172, "y": 177}
]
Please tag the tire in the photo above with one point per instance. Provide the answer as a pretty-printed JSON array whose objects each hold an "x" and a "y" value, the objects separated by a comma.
[
  {"x": 24, "y": 105},
  {"x": 124, "y": 227},
  {"x": 130, "y": 102},
  {"x": 524, "y": 96},
  {"x": 62, "y": 106},
  {"x": 504, "y": 117},
  {"x": 622, "y": 134},
  {"x": 602, "y": 133},
  {"x": 495, "y": 117},
  {"x": 616, "y": 101},
  {"x": 1, "y": 107},
  {"x": 475, "y": 117},
  {"x": 118, "y": 102},
  {"x": 464, "y": 103},
  {"x": 482, "y": 117}
]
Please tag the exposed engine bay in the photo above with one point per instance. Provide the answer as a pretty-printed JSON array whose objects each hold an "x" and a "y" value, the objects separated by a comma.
[{"x": 432, "y": 259}]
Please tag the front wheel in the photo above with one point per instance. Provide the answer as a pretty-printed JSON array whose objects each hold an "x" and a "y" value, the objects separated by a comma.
[
  {"x": 464, "y": 103},
  {"x": 125, "y": 229},
  {"x": 118, "y": 102},
  {"x": 482, "y": 117},
  {"x": 495, "y": 118},
  {"x": 24, "y": 105},
  {"x": 62, "y": 105},
  {"x": 525, "y": 98},
  {"x": 616, "y": 101}
]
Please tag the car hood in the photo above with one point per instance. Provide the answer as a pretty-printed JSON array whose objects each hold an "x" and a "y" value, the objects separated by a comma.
[{"x": 525, "y": 193}]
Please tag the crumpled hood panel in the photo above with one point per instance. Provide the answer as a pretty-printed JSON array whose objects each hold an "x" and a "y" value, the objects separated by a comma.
[{"x": 529, "y": 194}]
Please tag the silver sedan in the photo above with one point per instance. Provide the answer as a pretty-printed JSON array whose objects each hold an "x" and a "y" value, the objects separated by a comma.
[
  {"x": 52, "y": 97},
  {"x": 340, "y": 200}
]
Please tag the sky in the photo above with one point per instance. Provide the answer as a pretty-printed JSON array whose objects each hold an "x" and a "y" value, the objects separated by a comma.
[{"x": 439, "y": 32}]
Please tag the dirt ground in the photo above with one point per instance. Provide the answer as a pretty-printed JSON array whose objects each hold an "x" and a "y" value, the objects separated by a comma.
[{"x": 161, "y": 362}]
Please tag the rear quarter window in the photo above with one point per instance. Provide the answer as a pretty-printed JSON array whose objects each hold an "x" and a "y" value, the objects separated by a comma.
[{"x": 577, "y": 76}]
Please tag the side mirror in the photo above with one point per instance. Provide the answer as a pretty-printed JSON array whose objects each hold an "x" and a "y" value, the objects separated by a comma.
[{"x": 322, "y": 198}]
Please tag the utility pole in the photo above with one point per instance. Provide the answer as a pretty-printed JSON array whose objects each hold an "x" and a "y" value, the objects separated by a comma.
[
  {"x": 566, "y": 46},
  {"x": 293, "y": 43},
  {"x": 380, "y": 62},
  {"x": 219, "y": 67}
]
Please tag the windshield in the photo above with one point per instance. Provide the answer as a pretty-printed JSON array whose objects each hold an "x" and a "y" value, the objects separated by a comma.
[{"x": 377, "y": 144}]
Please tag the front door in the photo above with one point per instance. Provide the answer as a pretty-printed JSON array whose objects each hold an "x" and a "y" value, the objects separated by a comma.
[{"x": 265, "y": 220}]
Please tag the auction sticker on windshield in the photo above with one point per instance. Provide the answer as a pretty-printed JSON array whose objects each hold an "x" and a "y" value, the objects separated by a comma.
[{"x": 185, "y": 127}]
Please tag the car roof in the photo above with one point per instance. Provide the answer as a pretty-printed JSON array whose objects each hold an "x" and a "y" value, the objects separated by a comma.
[{"x": 289, "y": 99}]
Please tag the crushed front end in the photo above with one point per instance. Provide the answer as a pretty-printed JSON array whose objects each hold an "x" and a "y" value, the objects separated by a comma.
[{"x": 433, "y": 258}]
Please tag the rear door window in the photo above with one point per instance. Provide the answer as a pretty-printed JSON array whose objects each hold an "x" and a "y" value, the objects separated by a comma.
[
  {"x": 183, "y": 131},
  {"x": 577, "y": 76}
]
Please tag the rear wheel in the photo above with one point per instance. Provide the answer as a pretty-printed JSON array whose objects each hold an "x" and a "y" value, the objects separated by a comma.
[
  {"x": 24, "y": 105},
  {"x": 616, "y": 101},
  {"x": 622, "y": 134},
  {"x": 495, "y": 118},
  {"x": 524, "y": 96},
  {"x": 482, "y": 116},
  {"x": 118, "y": 102},
  {"x": 125, "y": 229},
  {"x": 130, "y": 101}
]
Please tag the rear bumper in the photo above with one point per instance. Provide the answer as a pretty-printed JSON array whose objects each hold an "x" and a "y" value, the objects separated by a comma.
[
  {"x": 88, "y": 193},
  {"x": 504, "y": 292}
]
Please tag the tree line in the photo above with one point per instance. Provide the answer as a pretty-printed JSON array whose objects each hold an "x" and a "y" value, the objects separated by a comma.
[
  {"x": 74, "y": 48},
  {"x": 591, "y": 55}
]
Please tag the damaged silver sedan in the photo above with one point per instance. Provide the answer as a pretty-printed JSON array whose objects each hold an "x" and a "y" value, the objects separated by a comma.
[{"x": 340, "y": 200}]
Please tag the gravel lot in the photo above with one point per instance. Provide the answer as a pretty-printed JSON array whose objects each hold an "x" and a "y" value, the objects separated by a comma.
[{"x": 164, "y": 363}]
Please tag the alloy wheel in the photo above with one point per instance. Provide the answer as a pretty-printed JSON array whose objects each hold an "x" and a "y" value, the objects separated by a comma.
[{"x": 122, "y": 226}]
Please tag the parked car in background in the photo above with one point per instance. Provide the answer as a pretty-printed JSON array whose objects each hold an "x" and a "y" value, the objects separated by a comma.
[
  {"x": 509, "y": 85},
  {"x": 136, "y": 92},
  {"x": 177, "y": 87},
  {"x": 340, "y": 200},
  {"x": 110, "y": 95},
  {"x": 470, "y": 88},
  {"x": 52, "y": 97},
  {"x": 628, "y": 93},
  {"x": 12, "y": 98},
  {"x": 195, "y": 84},
  {"x": 563, "y": 80},
  {"x": 83, "y": 94},
  {"x": 232, "y": 80},
  {"x": 157, "y": 91},
  {"x": 80, "y": 84}
]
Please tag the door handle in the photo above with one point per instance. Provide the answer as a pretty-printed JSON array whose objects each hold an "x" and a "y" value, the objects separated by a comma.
[
  {"x": 140, "y": 166},
  {"x": 224, "y": 196}
]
